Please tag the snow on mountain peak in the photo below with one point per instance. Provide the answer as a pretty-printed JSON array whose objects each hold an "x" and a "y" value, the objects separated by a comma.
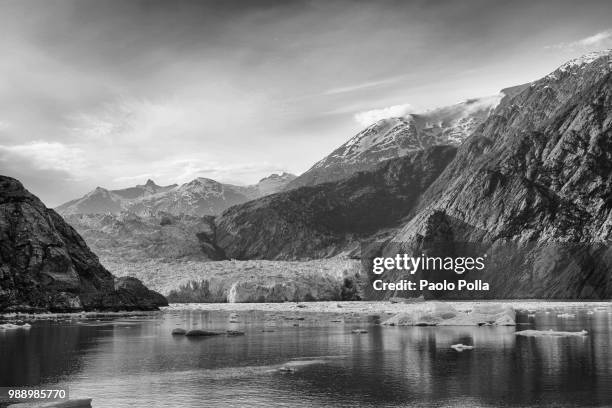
[
  {"x": 578, "y": 63},
  {"x": 583, "y": 60}
]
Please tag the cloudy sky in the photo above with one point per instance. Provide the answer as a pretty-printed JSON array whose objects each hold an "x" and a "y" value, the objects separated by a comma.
[{"x": 110, "y": 93}]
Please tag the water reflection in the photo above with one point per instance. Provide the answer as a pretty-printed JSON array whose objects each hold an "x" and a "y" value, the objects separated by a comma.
[{"x": 136, "y": 362}]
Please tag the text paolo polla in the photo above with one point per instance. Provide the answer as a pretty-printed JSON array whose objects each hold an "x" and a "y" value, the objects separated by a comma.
[{"x": 412, "y": 264}]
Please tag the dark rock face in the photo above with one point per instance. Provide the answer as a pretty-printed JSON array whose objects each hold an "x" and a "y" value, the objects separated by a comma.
[
  {"x": 46, "y": 266},
  {"x": 320, "y": 221}
]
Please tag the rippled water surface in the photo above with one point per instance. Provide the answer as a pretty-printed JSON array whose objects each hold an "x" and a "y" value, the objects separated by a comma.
[{"x": 134, "y": 362}]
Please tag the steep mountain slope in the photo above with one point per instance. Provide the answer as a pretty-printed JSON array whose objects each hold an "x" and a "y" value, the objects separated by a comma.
[
  {"x": 320, "y": 221},
  {"x": 199, "y": 197},
  {"x": 534, "y": 186},
  {"x": 396, "y": 137},
  {"x": 46, "y": 266}
]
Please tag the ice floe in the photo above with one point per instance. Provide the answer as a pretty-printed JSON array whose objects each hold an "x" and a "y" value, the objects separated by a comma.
[
  {"x": 443, "y": 314},
  {"x": 11, "y": 326},
  {"x": 461, "y": 347},
  {"x": 550, "y": 333}
]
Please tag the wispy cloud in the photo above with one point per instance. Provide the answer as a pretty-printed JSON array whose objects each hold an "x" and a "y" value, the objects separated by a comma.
[
  {"x": 600, "y": 39},
  {"x": 364, "y": 85},
  {"x": 134, "y": 120},
  {"x": 372, "y": 116},
  {"x": 46, "y": 156}
]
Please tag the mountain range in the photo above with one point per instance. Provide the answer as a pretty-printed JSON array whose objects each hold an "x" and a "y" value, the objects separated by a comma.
[{"x": 201, "y": 196}]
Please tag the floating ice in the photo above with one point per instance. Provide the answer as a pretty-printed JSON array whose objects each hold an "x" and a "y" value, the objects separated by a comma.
[
  {"x": 11, "y": 326},
  {"x": 461, "y": 347},
  {"x": 443, "y": 314},
  {"x": 550, "y": 333}
]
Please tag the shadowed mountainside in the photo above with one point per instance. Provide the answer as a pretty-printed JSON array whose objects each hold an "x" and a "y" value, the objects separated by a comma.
[{"x": 323, "y": 220}]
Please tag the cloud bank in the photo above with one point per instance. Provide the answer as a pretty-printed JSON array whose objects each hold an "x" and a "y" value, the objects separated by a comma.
[{"x": 370, "y": 117}]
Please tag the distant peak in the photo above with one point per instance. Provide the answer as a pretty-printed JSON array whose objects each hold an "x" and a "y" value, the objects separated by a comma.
[
  {"x": 275, "y": 176},
  {"x": 202, "y": 181},
  {"x": 98, "y": 191},
  {"x": 150, "y": 183}
]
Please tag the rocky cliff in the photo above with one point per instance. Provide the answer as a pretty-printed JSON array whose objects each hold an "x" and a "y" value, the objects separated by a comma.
[{"x": 46, "y": 266}]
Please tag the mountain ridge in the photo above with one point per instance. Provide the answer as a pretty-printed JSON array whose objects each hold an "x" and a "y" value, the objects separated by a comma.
[
  {"x": 397, "y": 136},
  {"x": 201, "y": 196}
]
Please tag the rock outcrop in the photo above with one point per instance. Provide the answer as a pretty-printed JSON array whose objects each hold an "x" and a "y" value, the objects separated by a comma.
[{"x": 46, "y": 266}]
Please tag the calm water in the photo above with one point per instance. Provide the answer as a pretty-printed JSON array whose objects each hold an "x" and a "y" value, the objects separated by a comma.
[{"x": 128, "y": 362}]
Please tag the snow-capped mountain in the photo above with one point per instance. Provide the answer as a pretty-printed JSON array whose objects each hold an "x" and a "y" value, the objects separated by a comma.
[
  {"x": 396, "y": 137},
  {"x": 201, "y": 196}
]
